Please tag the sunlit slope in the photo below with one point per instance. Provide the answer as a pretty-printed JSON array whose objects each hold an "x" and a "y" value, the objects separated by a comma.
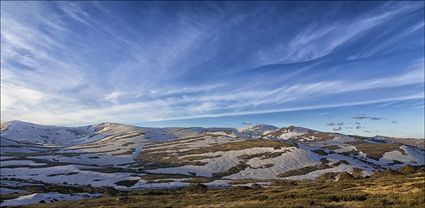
[{"x": 133, "y": 157}]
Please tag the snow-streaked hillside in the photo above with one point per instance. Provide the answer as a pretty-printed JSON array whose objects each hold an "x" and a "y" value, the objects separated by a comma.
[
  {"x": 53, "y": 135},
  {"x": 130, "y": 157},
  {"x": 257, "y": 130}
]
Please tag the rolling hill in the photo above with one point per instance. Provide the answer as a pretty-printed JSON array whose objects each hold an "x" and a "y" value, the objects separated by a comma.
[{"x": 130, "y": 158}]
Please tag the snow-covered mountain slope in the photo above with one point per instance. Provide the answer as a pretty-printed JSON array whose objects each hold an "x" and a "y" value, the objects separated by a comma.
[
  {"x": 257, "y": 130},
  {"x": 55, "y": 135},
  {"x": 130, "y": 157}
]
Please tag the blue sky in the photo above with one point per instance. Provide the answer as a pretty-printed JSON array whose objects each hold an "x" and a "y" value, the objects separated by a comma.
[{"x": 349, "y": 67}]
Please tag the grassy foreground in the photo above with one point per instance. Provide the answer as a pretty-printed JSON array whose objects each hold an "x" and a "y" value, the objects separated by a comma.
[{"x": 383, "y": 190}]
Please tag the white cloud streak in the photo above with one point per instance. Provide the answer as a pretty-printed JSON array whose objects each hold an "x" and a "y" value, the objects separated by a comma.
[{"x": 58, "y": 87}]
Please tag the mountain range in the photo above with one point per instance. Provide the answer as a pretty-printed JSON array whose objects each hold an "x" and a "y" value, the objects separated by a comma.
[{"x": 130, "y": 157}]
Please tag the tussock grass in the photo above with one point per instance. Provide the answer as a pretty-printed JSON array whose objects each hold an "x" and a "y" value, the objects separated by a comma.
[
  {"x": 127, "y": 183},
  {"x": 344, "y": 193},
  {"x": 331, "y": 147},
  {"x": 376, "y": 151},
  {"x": 159, "y": 158},
  {"x": 239, "y": 145}
]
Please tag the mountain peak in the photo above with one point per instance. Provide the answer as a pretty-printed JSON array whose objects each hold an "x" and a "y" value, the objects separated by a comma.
[{"x": 258, "y": 127}]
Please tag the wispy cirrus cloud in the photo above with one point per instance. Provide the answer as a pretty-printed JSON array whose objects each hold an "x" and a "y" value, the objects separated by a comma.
[
  {"x": 337, "y": 128},
  {"x": 85, "y": 62},
  {"x": 335, "y": 124},
  {"x": 361, "y": 117},
  {"x": 319, "y": 39}
]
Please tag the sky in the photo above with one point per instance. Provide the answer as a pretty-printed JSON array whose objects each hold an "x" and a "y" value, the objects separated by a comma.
[{"x": 348, "y": 67}]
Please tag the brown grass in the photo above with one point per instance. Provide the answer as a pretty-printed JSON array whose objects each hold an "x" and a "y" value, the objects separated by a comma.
[
  {"x": 127, "y": 183},
  {"x": 376, "y": 151},
  {"x": 332, "y": 147},
  {"x": 370, "y": 192},
  {"x": 156, "y": 158},
  {"x": 240, "y": 145}
]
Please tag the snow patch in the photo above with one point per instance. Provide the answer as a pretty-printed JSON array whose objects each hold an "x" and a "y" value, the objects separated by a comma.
[{"x": 46, "y": 197}]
